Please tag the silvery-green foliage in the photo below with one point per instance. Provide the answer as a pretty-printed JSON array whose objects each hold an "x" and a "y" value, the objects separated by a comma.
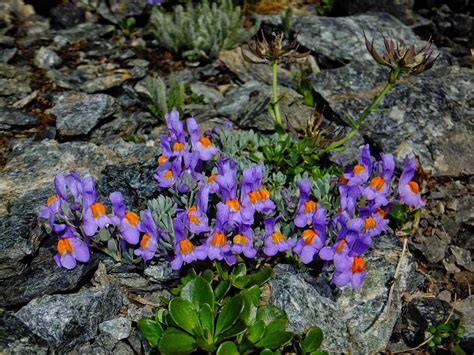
[
  {"x": 163, "y": 210},
  {"x": 201, "y": 30},
  {"x": 164, "y": 98},
  {"x": 321, "y": 189}
]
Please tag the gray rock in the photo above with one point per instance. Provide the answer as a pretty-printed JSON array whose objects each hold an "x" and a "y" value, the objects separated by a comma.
[
  {"x": 62, "y": 321},
  {"x": 67, "y": 15},
  {"x": 78, "y": 114},
  {"x": 7, "y": 54},
  {"x": 210, "y": 94},
  {"x": 14, "y": 80},
  {"x": 46, "y": 58},
  {"x": 41, "y": 277},
  {"x": 12, "y": 118},
  {"x": 341, "y": 39},
  {"x": 419, "y": 314},
  {"x": 356, "y": 321},
  {"x": 399, "y": 8},
  {"x": 429, "y": 115},
  {"x": 118, "y": 328},
  {"x": 85, "y": 31},
  {"x": 248, "y": 106},
  {"x": 465, "y": 307},
  {"x": 462, "y": 257},
  {"x": 161, "y": 272},
  {"x": 119, "y": 10}
]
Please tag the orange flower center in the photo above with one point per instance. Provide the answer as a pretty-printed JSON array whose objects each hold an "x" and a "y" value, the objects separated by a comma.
[
  {"x": 259, "y": 195},
  {"x": 358, "y": 169},
  {"x": 340, "y": 245},
  {"x": 144, "y": 242},
  {"x": 369, "y": 222},
  {"x": 178, "y": 146},
  {"x": 357, "y": 264},
  {"x": 342, "y": 180},
  {"x": 277, "y": 237},
  {"x": 51, "y": 199},
  {"x": 168, "y": 174},
  {"x": 161, "y": 159},
  {"x": 206, "y": 142},
  {"x": 185, "y": 246},
  {"x": 218, "y": 239},
  {"x": 377, "y": 183},
  {"x": 309, "y": 206},
  {"x": 240, "y": 239},
  {"x": 132, "y": 218},
  {"x": 193, "y": 208},
  {"x": 308, "y": 236},
  {"x": 193, "y": 219},
  {"x": 413, "y": 186},
  {"x": 380, "y": 212},
  {"x": 97, "y": 209},
  {"x": 233, "y": 204},
  {"x": 211, "y": 178},
  {"x": 64, "y": 246}
]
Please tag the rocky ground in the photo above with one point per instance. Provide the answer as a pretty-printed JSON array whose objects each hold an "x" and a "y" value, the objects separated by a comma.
[{"x": 72, "y": 97}]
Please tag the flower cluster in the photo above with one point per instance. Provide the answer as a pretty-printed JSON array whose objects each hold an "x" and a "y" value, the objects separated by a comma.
[
  {"x": 75, "y": 215},
  {"x": 230, "y": 212}
]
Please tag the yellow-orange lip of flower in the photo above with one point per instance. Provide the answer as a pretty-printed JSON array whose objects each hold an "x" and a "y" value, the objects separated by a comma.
[
  {"x": 358, "y": 169},
  {"x": 193, "y": 219},
  {"x": 51, "y": 199},
  {"x": 308, "y": 236},
  {"x": 309, "y": 206},
  {"x": 357, "y": 264},
  {"x": 413, "y": 186},
  {"x": 206, "y": 142},
  {"x": 97, "y": 209},
  {"x": 161, "y": 159},
  {"x": 369, "y": 222},
  {"x": 132, "y": 218},
  {"x": 218, "y": 239},
  {"x": 277, "y": 237},
  {"x": 185, "y": 246},
  {"x": 178, "y": 146},
  {"x": 340, "y": 245},
  {"x": 240, "y": 239},
  {"x": 145, "y": 240},
  {"x": 377, "y": 183},
  {"x": 168, "y": 174},
  {"x": 233, "y": 204},
  {"x": 211, "y": 178},
  {"x": 259, "y": 195},
  {"x": 64, "y": 246}
]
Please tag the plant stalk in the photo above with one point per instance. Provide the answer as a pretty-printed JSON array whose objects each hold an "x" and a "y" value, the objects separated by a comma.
[{"x": 275, "y": 103}]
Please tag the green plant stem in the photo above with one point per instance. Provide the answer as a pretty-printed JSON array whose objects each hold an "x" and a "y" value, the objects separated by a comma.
[
  {"x": 362, "y": 116},
  {"x": 275, "y": 103}
]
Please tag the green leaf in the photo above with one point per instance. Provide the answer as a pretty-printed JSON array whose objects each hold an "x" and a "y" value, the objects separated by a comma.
[
  {"x": 443, "y": 328},
  {"x": 175, "y": 342},
  {"x": 198, "y": 291},
  {"x": 221, "y": 289},
  {"x": 206, "y": 317},
  {"x": 268, "y": 313},
  {"x": 258, "y": 278},
  {"x": 238, "y": 271},
  {"x": 457, "y": 350},
  {"x": 251, "y": 299},
  {"x": 228, "y": 348},
  {"x": 274, "y": 340},
  {"x": 224, "y": 275},
  {"x": 208, "y": 275},
  {"x": 151, "y": 330},
  {"x": 266, "y": 352},
  {"x": 161, "y": 314},
  {"x": 238, "y": 328},
  {"x": 230, "y": 313},
  {"x": 312, "y": 340},
  {"x": 256, "y": 331},
  {"x": 184, "y": 315}
]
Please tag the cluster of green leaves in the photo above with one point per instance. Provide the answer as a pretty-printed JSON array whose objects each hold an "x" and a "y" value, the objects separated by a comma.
[
  {"x": 446, "y": 336},
  {"x": 201, "y": 30},
  {"x": 222, "y": 313},
  {"x": 325, "y": 7},
  {"x": 283, "y": 153},
  {"x": 128, "y": 26},
  {"x": 165, "y": 98}
]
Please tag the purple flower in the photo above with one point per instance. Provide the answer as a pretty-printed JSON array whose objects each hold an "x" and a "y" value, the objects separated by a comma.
[
  {"x": 71, "y": 250},
  {"x": 275, "y": 241},
  {"x": 252, "y": 193},
  {"x": 360, "y": 173},
  {"x": 228, "y": 190},
  {"x": 126, "y": 220},
  {"x": 243, "y": 242},
  {"x": 408, "y": 189},
  {"x": 95, "y": 217},
  {"x": 200, "y": 143},
  {"x": 378, "y": 188},
  {"x": 149, "y": 242},
  {"x": 167, "y": 173},
  {"x": 185, "y": 251},
  {"x": 175, "y": 127},
  {"x": 155, "y": 2},
  {"x": 312, "y": 240},
  {"x": 354, "y": 273},
  {"x": 306, "y": 207},
  {"x": 338, "y": 253},
  {"x": 218, "y": 247}
]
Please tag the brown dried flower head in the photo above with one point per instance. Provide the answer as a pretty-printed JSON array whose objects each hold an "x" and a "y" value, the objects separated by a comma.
[
  {"x": 397, "y": 56},
  {"x": 276, "y": 49}
]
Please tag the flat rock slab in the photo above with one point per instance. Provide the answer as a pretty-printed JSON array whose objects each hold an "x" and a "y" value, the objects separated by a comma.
[
  {"x": 430, "y": 115},
  {"x": 356, "y": 321},
  {"x": 11, "y": 118},
  {"x": 78, "y": 114},
  {"x": 61, "y": 321},
  {"x": 341, "y": 39}
]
